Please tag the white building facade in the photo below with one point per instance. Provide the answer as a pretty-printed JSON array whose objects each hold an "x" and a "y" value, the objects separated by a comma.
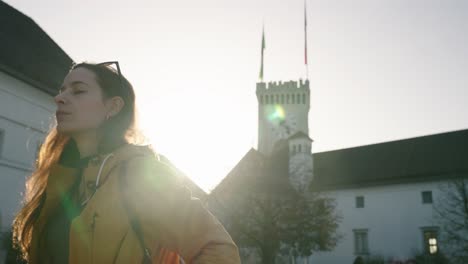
[
  {"x": 389, "y": 221},
  {"x": 32, "y": 67},
  {"x": 25, "y": 114}
]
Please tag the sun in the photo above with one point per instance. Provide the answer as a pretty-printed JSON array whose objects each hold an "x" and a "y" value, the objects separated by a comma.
[{"x": 193, "y": 138}]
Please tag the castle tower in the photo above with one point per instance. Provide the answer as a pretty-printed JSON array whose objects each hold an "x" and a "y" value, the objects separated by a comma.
[
  {"x": 300, "y": 165},
  {"x": 283, "y": 110}
]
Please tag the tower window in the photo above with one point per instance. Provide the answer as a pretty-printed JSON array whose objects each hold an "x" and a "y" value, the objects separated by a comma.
[
  {"x": 294, "y": 149},
  {"x": 282, "y": 99},
  {"x": 303, "y": 99},
  {"x": 298, "y": 98},
  {"x": 276, "y": 99},
  {"x": 287, "y": 98},
  {"x": 266, "y": 99},
  {"x": 271, "y": 99},
  {"x": 299, "y": 149},
  {"x": 293, "y": 99},
  {"x": 261, "y": 99}
]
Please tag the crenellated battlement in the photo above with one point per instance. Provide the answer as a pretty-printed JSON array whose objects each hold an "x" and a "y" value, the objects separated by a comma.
[
  {"x": 287, "y": 103},
  {"x": 283, "y": 86}
]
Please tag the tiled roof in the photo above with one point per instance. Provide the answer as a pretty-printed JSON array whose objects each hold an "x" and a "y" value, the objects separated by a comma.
[
  {"x": 28, "y": 53},
  {"x": 426, "y": 158},
  {"x": 300, "y": 134},
  {"x": 246, "y": 173},
  {"x": 191, "y": 185}
]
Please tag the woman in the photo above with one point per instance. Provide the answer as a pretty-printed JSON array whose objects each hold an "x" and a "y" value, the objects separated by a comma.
[{"x": 95, "y": 197}]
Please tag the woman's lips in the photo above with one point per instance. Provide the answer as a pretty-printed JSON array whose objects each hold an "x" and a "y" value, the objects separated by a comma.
[{"x": 60, "y": 115}]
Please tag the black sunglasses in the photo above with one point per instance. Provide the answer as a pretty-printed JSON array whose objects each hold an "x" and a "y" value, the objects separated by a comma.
[{"x": 108, "y": 63}]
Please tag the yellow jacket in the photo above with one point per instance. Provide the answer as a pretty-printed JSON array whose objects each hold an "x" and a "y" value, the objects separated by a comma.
[{"x": 172, "y": 222}]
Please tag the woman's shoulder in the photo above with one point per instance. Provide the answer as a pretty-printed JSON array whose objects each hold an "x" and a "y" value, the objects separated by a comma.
[{"x": 143, "y": 160}]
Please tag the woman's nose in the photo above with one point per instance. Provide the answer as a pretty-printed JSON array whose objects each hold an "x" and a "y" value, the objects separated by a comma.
[{"x": 59, "y": 99}]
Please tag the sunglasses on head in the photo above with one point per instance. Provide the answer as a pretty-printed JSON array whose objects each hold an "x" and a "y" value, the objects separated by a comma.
[{"x": 109, "y": 63}]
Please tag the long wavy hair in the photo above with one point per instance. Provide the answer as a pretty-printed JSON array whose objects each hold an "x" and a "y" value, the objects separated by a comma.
[{"x": 119, "y": 129}]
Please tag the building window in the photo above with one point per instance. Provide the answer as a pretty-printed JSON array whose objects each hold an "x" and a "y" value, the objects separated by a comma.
[
  {"x": 303, "y": 99},
  {"x": 361, "y": 243},
  {"x": 271, "y": 99},
  {"x": 293, "y": 101},
  {"x": 299, "y": 148},
  {"x": 359, "y": 201},
  {"x": 430, "y": 239},
  {"x": 294, "y": 149},
  {"x": 261, "y": 99},
  {"x": 287, "y": 98},
  {"x": 282, "y": 99},
  {"x": 298, "y": 100},
  {"x": 426, "y": 197},
  {"x": 276, "y": 99},
  {"x": 266, "y": 99}
]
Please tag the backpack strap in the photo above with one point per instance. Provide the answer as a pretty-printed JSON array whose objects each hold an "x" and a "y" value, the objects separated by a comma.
[{"x": 132, "y": 217}]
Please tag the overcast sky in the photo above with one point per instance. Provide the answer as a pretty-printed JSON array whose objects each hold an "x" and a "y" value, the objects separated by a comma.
[{"x": 379, "y": 70}]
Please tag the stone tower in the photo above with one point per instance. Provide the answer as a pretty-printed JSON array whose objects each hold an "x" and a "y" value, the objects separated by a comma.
[{"x": 283, "y": 111}]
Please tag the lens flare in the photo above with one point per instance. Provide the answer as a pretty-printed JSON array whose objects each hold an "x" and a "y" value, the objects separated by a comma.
[{"x": 276, "y": 114}]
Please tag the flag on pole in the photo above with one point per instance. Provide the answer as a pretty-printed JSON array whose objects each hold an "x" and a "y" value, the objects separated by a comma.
[
  {"x": 305, "y": 34},
  {"x": 263, "y": 48}
]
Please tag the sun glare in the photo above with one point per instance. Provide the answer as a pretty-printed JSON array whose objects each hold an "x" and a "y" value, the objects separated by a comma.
[
  {"x": 194, "y": 137},
  {"x": 275, "y": 114}
]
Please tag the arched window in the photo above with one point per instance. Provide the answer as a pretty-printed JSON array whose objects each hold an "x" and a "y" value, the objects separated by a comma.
[
  {"x": 282, "y": 99},
  {"x": 303, "y": 99},
  {"x": 299, "y": 148},
  {"x": 293, "y": 101}
]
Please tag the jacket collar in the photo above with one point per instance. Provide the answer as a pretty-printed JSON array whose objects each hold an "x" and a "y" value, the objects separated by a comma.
[
  {"x": 94, "y": 166},
  {"x": 66, "y": 172}
]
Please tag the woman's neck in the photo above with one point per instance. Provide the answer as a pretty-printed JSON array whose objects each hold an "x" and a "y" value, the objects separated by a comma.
[{"x": 87, "y": 143}]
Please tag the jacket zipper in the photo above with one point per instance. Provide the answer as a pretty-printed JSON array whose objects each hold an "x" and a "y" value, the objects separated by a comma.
[{"x": 93, "y": 228}]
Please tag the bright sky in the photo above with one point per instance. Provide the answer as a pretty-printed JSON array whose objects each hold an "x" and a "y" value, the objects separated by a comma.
[{"x": 379, "y": 70}]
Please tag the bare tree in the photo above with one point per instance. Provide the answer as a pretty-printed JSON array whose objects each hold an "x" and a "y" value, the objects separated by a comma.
[
  {"x": 452, "y": 212},
  {"x": 291, "y": 221}
]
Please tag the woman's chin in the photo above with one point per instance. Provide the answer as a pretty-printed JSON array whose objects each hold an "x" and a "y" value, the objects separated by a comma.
[{"x": 63, "y": 129}]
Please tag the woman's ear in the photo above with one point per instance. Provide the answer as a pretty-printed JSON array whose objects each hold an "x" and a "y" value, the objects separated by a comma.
[{"x": 114, "y": 105}]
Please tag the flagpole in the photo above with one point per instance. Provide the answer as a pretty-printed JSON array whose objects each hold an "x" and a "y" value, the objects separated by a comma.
[
  {"x": 305, "y": 41},
  {"x": 262, "y": 49}
]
